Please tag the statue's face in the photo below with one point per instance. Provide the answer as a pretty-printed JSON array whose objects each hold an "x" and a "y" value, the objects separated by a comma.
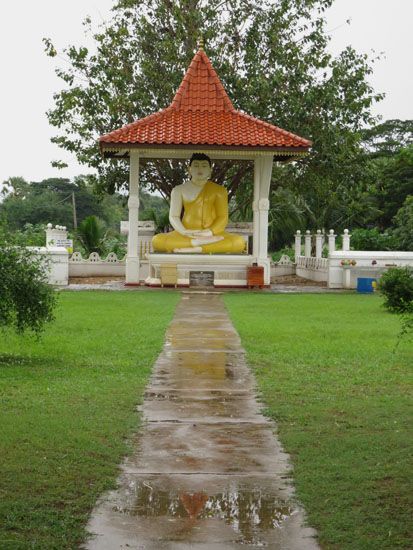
[{"x": 200, "y": 170}]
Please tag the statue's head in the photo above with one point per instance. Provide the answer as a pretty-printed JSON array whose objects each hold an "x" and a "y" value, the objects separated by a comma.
[
  {"x": 200, "y": 156},
  {"x": 200, "y": 167}
]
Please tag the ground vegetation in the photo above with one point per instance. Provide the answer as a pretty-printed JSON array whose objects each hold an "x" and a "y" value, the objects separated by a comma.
[{"x": 340, "y": 394}]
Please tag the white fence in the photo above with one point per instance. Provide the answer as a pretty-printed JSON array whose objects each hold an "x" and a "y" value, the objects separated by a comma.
[
  {"x": 343, "y": 267},
  {"x": 309, "y": 267},
  {"x": 95, "y": 266}
]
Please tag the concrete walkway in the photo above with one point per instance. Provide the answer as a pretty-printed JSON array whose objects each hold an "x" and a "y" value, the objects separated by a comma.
[{"x": 207, "y": 471}]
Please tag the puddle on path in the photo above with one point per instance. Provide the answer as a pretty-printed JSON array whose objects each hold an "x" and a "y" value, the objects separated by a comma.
[{"x": 248, "y": 511}]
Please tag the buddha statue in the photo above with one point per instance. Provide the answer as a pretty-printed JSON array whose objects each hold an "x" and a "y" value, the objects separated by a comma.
[{"x": 201, "y": 228}]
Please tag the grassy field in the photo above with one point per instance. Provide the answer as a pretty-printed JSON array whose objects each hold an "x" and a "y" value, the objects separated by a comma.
[
  {"x": 328, "y": 376},
  {"x": 67, "y": 407}
]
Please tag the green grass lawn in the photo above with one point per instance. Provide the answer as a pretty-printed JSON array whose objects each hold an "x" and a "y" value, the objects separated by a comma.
[
  {"x": 340, "y": 396},
  {"x": 67, "y": 407}
]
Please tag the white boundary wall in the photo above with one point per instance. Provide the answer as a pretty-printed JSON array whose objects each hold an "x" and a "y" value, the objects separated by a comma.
[
  {"x": 58, "y": 272},
  {"x": 368, "y": 264},
  {"x": 310, "y": 267}
]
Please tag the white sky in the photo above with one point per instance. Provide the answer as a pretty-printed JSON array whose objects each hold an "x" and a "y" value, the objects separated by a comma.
[{"x": 28, "y": 80}]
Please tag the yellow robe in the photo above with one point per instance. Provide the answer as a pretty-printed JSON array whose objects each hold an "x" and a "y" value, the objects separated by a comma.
[{"x": 208, "y": 211}]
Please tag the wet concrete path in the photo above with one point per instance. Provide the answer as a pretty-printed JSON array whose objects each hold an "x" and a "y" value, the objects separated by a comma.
[{"x": 207, "y": 471}]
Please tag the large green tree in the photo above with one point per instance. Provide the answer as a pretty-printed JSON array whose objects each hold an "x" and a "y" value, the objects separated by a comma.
[
  {"x": 51, "y": 200},
  {"x": 273, "y": 59}
]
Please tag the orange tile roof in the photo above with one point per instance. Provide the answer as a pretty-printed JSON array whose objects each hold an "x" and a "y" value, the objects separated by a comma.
[{"x": 201, "y": 114}]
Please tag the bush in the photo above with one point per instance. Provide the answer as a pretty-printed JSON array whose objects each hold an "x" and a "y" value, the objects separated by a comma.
[
  {"x": 290, "y": 252},
  {"x": 372, "y": 239},
  {"x": 403, "y": 222},
  {"x": 92, "y": 233},
  {"x": 26, "y": 300},
  {"x": 397, "y": 287}
]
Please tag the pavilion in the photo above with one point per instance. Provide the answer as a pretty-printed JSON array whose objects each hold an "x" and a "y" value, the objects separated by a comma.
[{"x": 202, "y": 118}]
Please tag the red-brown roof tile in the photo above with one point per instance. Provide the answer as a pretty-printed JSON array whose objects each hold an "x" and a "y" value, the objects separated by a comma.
[{"x": 201, "y": 113}]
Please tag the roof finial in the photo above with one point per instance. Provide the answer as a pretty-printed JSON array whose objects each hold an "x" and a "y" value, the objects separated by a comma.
[{"x": 201, "y": 42}]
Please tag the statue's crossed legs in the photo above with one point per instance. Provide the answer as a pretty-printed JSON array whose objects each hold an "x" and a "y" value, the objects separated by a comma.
[{"x": 175, "y": 242}]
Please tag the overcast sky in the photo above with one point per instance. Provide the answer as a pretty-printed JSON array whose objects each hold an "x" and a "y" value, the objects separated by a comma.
[{"x": 28, "y": 80}]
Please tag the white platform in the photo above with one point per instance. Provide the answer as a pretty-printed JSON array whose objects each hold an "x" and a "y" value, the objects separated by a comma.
[{"x": 229, "y": 269}]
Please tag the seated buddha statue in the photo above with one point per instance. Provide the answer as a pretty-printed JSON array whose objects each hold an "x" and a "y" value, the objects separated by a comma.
[{"x": 199, "y": 215}]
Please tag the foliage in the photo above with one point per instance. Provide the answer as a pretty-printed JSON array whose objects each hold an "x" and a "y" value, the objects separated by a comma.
[
  {"x": 393, "y": 183},
  {"x": 29, "y": 235},
  {"x": 274, "y": 62},
  {"x": 372, "y": 239},
  {"x": 327, "y": 374},
  {"x": 92, "y": 234},
  {"x": 290, "y": 252},
  {"x": 160, "y": 218},
  {"x": 50, "y": 200},
  {"x": 115, "y": 243},
  {"x": 403, "y": 225},
  {"x": 397, "y": 287},
  {"x": 68, "y": 411},
  {"x": 407, "y": 324},
  {"x": 26, "y": 300},
  {"x": 156, "y": 209},
  {"x": 387, "y": 138}
]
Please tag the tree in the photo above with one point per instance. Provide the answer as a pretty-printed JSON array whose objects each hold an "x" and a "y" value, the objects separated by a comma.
[
  {"x": 272, "y": 58},
  {"x": 394, "y": 183},
  {"x": 387, "y": 138},
  {"x": 92, "y": 234},
  {"x": 403, "y": 222},
  {"x": 26, "y": 300},
  {"x": 51, "y": 200}
]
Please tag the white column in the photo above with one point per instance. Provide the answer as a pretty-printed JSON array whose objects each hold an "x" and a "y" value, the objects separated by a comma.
[
  {"x": 264, "y": 205},
  {"x": 256, "y": 222},
  {"x": 307, "y": 244},
  {"x": 346, "y": 276},
  {"x": 298, "y": 243},
  {"x": 132, "y": 258},
  {"x": 319, "y": 244},
  {"x": 346, "y": 240},
  {"x": 55, "y": 235},
  {"x": 331, "y": 241}
]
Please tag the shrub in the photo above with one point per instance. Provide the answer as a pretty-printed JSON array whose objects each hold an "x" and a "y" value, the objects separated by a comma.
[
  {"x": 372, "y": 239},
  {"x": 26, "y": 300},
  {"x": 92, "y": 233},
  {"x": 403, "y": 221},
  {"x": 290, "y": 252},
  {"x": 397, "y": 287}
]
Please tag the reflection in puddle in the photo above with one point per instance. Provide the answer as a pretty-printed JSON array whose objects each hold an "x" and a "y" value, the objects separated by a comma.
[{"x": 248, "y": 511}]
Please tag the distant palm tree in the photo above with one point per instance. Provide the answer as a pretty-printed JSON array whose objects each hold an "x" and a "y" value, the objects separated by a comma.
[{"x": 92, "y": 233}]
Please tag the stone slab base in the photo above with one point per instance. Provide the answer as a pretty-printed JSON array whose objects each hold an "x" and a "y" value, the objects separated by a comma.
[{"x": 230, "y": 270}]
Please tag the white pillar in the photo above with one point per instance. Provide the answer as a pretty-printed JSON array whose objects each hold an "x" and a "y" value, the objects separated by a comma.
[
  {"x": 346, "y": 276},
  {"x": 256, "y": 222},
  {"x": 346, "y": 240},
  {"x": 264, "y": 205},
  {"x": 132, "y": 258},
  {"x": 55, "y": 235},
  {"x": 307, "y": 244},
  {"x": 298, "y": 243},
  {"x": 319, "y": 244},
  {"x": 331, "y": 241},
  {"x": 260, "y": 206}
]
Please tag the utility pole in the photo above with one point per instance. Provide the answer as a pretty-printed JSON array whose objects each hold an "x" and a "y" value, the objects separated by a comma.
[{"x": 74, "y": 211}]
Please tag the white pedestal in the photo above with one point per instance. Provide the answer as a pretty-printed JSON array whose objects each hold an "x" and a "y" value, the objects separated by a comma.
[{"x": 230, "y": 270}]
